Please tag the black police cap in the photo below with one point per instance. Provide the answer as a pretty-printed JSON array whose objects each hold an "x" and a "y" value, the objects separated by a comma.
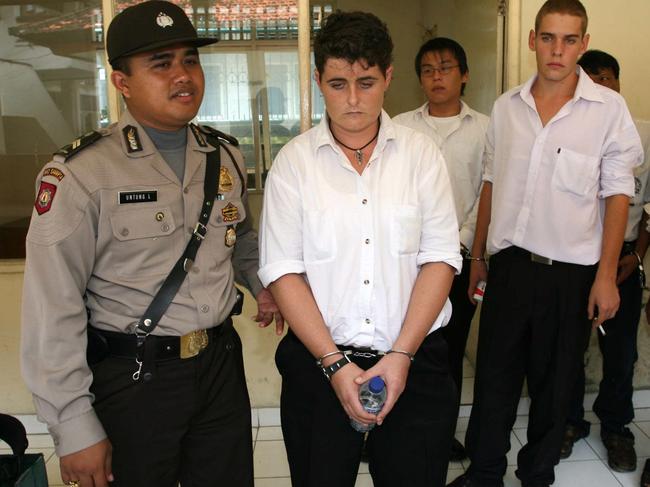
[{"x": 150, "y": 25}]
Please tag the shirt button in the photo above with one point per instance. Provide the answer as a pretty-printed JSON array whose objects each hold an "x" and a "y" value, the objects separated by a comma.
[
  {"x": 205, "y": 308},
  {"x": 165, "y": 227},
  {"x": 366, "y": 281},
  {"x": 186, "y": 190},
  {"x": 367, "y": 321},
  {"x": 124, "y": 232},
  {"x": 160, "y": 216},
  {"x": 367, "y": 241},
  {"x": 219, "y": 219},
  {"x": 364, "y": 201},
  {"x": 195, "y": 269}
]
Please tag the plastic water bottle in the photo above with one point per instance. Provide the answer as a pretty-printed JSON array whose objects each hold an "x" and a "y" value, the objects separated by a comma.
[{"x": 372, "y": 395}]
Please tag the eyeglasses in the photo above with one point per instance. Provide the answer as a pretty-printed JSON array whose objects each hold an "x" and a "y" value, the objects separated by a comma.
[{"x": 428, "y": 70}]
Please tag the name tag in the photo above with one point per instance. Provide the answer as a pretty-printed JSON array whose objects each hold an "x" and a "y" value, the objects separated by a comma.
[{"x": 127, "y": 197}]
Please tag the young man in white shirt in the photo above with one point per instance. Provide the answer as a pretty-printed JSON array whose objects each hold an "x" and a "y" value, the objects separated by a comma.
[
  {"x": 560, "y": 153},
  {"x": 613, "y": 406},
  {"x": 359, "y": 246},
  {"x": 459, "y": 132}
]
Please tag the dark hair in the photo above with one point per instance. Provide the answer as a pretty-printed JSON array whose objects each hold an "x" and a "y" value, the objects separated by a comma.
[
  {"x": 122, "y": 64},
  {"x": 594, "y": 60},
  {"x": 353, "y": 36},
  {"x": 567, "y": 7},
  {"x": 439, "y": 44}
]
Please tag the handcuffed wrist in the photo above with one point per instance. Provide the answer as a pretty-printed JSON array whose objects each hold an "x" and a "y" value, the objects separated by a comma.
[
  {"x": 410, "y": 355},
  {"x": 333, "y": 368},
  {"x": 319, "y": 362}
]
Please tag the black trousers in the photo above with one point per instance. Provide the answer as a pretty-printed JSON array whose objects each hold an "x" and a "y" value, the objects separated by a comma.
[
  {"x": 191, "y": 423},
  {"x": 457, "y": 329},
  {"x": 613, "y": 404},
  {"x": 410, "y": 449},
  {"x": 534, "y": 325}
]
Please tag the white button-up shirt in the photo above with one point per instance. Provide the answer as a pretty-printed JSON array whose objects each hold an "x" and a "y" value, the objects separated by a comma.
[
  {"x": 359, "y": 239},
  {"x": 549, "y": 182},
  {"x": 462, "y": 149}
]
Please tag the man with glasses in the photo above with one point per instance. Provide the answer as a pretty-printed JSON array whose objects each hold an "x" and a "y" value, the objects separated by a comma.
[
  {"x": 459, "y": 132},
  {"x": 613, "y": 405}
]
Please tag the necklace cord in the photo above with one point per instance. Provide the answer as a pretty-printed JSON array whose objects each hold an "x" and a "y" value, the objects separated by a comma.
[{"x": 358, "y": 154}]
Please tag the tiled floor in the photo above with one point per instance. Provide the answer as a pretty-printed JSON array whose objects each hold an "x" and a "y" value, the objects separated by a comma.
[{"x": 587, "y": 466}]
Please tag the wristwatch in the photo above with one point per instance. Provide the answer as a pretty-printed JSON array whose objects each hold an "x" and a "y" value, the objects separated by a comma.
[{"x": 333, "y": 368}]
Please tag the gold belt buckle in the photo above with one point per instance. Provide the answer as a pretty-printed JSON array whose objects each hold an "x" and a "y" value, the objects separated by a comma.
[{"x": 193, "y": 343}]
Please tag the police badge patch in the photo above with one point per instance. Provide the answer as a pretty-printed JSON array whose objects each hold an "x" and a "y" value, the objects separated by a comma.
[
  {"x": 230, "y": 213},
  {"x": 54, "y": 172},
  {"x": 45, "y": 197},
  {"x": 131, "y": 139},
  {"x": 225, "y": 180},
  {"x": 231, "y": 236}
]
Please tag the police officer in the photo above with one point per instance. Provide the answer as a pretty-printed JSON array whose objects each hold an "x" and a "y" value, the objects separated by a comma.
[{"x": 163, "y": 400}]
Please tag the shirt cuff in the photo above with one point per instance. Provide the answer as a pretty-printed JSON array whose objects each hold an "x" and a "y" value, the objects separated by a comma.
[
  {"x": 273, "y": 272},
  {"x": 77, "y": 433},
  {"x": 455, "y": 261}
]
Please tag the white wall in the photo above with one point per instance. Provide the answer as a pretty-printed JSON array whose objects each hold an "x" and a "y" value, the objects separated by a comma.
[{"x": 473, "y": 23}]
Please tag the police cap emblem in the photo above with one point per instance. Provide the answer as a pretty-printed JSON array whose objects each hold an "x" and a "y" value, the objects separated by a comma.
[{"x": 164, "y": 20}]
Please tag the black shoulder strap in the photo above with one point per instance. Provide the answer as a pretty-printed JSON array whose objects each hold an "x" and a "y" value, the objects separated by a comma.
[
  {"x": 78, "y": 145},
  {"x": 172, "y": 283},
  {"x": 218, "y": 134}
]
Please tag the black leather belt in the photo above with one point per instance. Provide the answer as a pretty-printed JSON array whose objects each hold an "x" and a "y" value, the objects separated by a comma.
[
  {"x": 125, "y": 345},
  {"x": 538, "y": 259},
  {"x": 164, "y": 347}
]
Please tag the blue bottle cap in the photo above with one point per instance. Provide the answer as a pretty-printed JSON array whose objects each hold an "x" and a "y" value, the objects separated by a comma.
[{"x": 376, "y": 385}]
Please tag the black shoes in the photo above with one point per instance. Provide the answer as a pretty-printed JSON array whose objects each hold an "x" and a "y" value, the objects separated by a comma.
[
  {"x": 621, "y": 456},
  {"x": 458, "y": 452},
  {"x": 645, "y": 476},
  {"x": 571, "y": 435}
]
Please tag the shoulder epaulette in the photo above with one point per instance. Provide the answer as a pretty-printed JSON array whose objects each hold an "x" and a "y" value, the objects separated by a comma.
[
  {"x": 209, "y": 131},
  {"x": 66, "y": 152}
]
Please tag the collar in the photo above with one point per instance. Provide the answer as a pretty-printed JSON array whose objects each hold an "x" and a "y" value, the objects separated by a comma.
[
  {"x": 585, "y": 89},
  {"x": 136, "y": 143},
  {"x": 465, "y": 110},
  {"x": 324, "y": 135}
]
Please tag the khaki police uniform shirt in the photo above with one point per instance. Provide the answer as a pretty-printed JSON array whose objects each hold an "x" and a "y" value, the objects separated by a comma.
[{"x": 108, "y": 225}]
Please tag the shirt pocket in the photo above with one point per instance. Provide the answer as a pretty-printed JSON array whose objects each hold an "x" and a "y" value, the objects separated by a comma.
[
  {"x": 575, "y": 172},
  {"x": 142, "y": 241},
  {"x": 319, "y": 237},
  {"x": 405, "y": 230}
]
